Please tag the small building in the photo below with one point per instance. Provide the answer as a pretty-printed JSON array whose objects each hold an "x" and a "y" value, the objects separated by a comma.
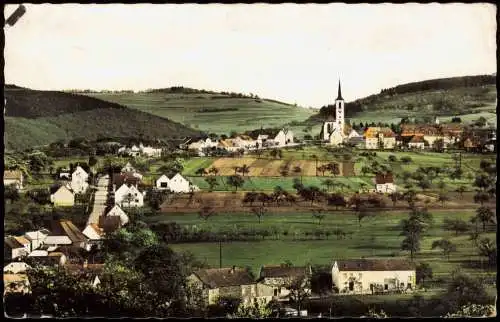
[
  {"x": 279, "y": 278},
  {"x": 129, "y": 195},
  {"x": 379, "y": 138},
  {"x": 79, "y": 180},
  {"x": 94, "y": 233},
  {"x": 16, "y": 247},
  {"x": 59, "y": 229},
  {"x": 177, "y": 184},
  {"x": 218, "y": 283},
  {"x": 384, "y": 183},
  {"x": 16, "y": 283},
  {"x": 63, "y": 197},
  {"x": 151, "y": 152},
  {"x": 36, "y": 238},
  {"x": 371, "y": 276},
  {"x": 13, "y": 177},
  {"x": 128, "y": 178},
  {"x": 118, "y": 212},
  {"x": 417, "y": 142}
]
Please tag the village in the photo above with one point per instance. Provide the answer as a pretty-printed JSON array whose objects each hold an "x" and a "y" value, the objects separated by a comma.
[{"x": 117, "y": 194}]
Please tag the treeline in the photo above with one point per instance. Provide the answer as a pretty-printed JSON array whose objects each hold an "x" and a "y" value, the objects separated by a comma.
[
  {"x": 441, "y": 84},
  {"x": 93, "y": 91}
]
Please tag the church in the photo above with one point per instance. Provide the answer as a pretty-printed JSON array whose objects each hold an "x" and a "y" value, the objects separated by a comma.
[{"x": 334, "y": 130}]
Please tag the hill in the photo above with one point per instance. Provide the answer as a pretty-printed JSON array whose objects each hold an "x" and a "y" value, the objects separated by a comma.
[
  {"x": 209, "y": 111},
  {"x": 469, "y": 97},
  {"x": 34, "y": 118}
]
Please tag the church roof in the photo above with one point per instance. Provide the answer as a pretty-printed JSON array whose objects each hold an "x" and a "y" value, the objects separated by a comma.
[{"x": 339, "y": 95}]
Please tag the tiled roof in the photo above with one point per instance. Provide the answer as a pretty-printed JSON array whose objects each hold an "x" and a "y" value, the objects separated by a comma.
[
  {"x": 12, "y": 174},
  {"x": 382, "y": 179},
  {"x": 221, "y": 277},
  {"x": 22, "y": 240},
  {"x": 417, "y": 139},
  {"x": 127, "y": 178},
  {"x": 373, "y": 132},
  {"x": 12, "y": 242},
  {"x": 283, "y": 271},
  {"x": 375, "y": 265},
  {"x": 66, "y": 228},
  {"x": 13, "y": 278},
  {"x": 226, "y": 143}
]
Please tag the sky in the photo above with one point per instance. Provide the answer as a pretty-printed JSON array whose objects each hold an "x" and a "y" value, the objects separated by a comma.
[{"x": 290, "y": 52}]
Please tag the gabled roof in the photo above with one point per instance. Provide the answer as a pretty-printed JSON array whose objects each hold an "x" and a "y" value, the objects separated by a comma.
[
  {"x": 22, "y": 240},
  {"x": 222, "y": 277},
  {"x": 66, "y": 228},
  {"x": 417, "y": 139},
  {"x": 80, "y": 170},
  {"x": 382, "y": 179},
  {"x": 62, "y": 188},
  {"x": 12, "y": 174},
  {"x": 283, "y": 271},
  {"x": 373, "y": 132},
  {"x": 12, "y": 242},
  {"x": 163, "y": 177},
  {"x": 375, "y": 265},
  {"x": 126, "y": 177}
]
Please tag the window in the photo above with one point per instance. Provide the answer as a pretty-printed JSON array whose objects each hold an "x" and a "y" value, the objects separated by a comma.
[
  {"x": 408, "y": 285},
  {"x": 351, "y": 286},
  {"x": 279, "y": 290},
  {"x": 386, "y": 287},
  {"x": 136, "y": 200},
  {"x": 163, "y": 184},
  {"x": 275, "y": 292}
]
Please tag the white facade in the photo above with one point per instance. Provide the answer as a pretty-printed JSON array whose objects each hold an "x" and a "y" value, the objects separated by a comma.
[
  {"x": 63, "y": 197},
  {"x": 129, "y": 196},
  {"x": 162, "y": 182},
  {"x": 36, "y": 238},
  {"x": 16, "y": 268},
  {"x": 179, "y": 184},
  {"x": 79, "y": 180},
  {"x": 283, "y": 137},
  {"x": 57, "y": 240},
  {"x": 92, "y": 232},
  {"x": 386, "y": 187},
  {"x": 13, "y": 178},
  {"x": 365, "y": 282},
  {"x": 117, "y": 211},
  {"x": 416, "y": 145},
  {"x": 151, "y": 152}
]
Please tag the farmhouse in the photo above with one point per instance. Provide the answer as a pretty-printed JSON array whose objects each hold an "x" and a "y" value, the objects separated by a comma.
[
  {"x": 201, "y": 145},
  {"x": 63, "y": 197},
  {"x": 370, "y": 276},
  {"x": 271, "y": 137},
  {"x": 333, "y": 130},
  {"x": 79, "y": 180},
  {"x": 279, "y": 278},
  {"x": 176, "y": 184},
  {"x": 379, "y": 138},
  {"x": 59, "y": 229},
  {"x": 226, "y": 282},
  {"x": 15, "y": 247},
  {"x": 416, "y": 142},
  {"x": 129, "y": 195},
  {"x": 385, "y": 183},
  {"x": 13, "y": 178}
]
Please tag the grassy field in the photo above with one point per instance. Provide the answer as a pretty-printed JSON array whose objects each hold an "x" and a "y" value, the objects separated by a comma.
[
  {"x": 213, "y": 113},
  {"x": 377, "y": 237}
]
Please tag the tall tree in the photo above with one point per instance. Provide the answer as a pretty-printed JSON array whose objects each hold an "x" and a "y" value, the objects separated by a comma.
[
  {"x": 212, "y": 182},
  {"x": 244, "y": 169},
  {"x": 446, "y": 246},
  {"x": 235, "y": 181},
  {"x": 424, "y": 272},
  {"x": 485, "y": 215},
  {"x": 259, "y": 211}
]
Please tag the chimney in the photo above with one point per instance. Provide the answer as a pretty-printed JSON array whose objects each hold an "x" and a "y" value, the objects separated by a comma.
[{"x": 85, "y": 263}]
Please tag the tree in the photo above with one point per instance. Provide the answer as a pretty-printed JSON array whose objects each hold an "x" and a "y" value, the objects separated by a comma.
[
  {"x": 244, "y": 169},
  {"x": 259, "y": 212},
  {"x": 206, "y": 212},
  {"x": 361, "y": 213},
  {"x": 310, "y": 193},
  {"x": 485, "y": 215},
  {"x": 315, "y": 157},
  {"x": 473, "y": 310},
  {"x": 487, "y": 248},
  {"x": 212, "y": 182},
  {"x": 392, "y": 158},
  {"x": 365, "y": 170},
  {"x": 337, "y": 200},
  {"x": 299, "y": 290},
  {"x": 235, "y": 181},
  {"x": 11, "y": 193},
  {"x": 413, "y": 229},
  {"x": 406, "y": 159},
  {"x": 201, "y": 172},
  {"x": 259, "y": 309},
  {"x": 334, "y": 169},
  {"x": 298, "y": 171},
  {"x": 424, "y": 272},
  {"x": 318, "y": 214},
  {"x": 443, "y": 197},
  {"x": 424, "y": 184},
  {"x": 461, "y": 190},
  {"x": 410, "y": 196},
  {"x": 395, "y": 196},
  {"x": 329, "y": 183},
  {"x": 446, "y": 246},
  {"x": 481, "y": 197},
  {"x": 456, "y": 225},
  {"x": 464, "y": 289},
  {"x": 250, "y": 197},
  {"x": 214, "y": 171},
  {"x": 456, "y": 119},
  {"x": 322, "y": 168},
  {"x": 483, "y": 182}
]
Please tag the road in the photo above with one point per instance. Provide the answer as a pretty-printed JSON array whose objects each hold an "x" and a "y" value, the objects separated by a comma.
[{"x": 100, "y": 198}]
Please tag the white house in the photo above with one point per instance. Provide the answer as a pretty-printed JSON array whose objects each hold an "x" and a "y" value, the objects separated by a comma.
[
  {"x": 150, "y": 151},
  {"x": 79, "y": 180},
  {"x": 176, "y": 184},
  {"x": 385, "y": 183},
  {"x": 129, "y": 196},
  {"x": 129, "y": 169},
  {"x": 369, "y": 276},
  {"x": 416, "y": 142},
  {"x": 36, "y": 238},
  {"x": 117, "y": 211},
  {"x": 200, "y": 145},
  {"x": 15, "y": 247},
  {"x": 162, "y": 183},
  {"x": 93, "y": 232},
  {"x": 13, "y": 178},
  {"x": 284, "y": 137},
  {"x": 63, "y": 197}
]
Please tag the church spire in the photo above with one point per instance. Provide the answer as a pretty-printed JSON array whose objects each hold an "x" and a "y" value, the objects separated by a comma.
[{"x": 339, "y": 95}]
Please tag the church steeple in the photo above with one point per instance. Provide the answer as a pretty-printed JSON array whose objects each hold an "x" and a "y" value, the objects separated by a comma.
[{"x": 339, "y": 95}]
